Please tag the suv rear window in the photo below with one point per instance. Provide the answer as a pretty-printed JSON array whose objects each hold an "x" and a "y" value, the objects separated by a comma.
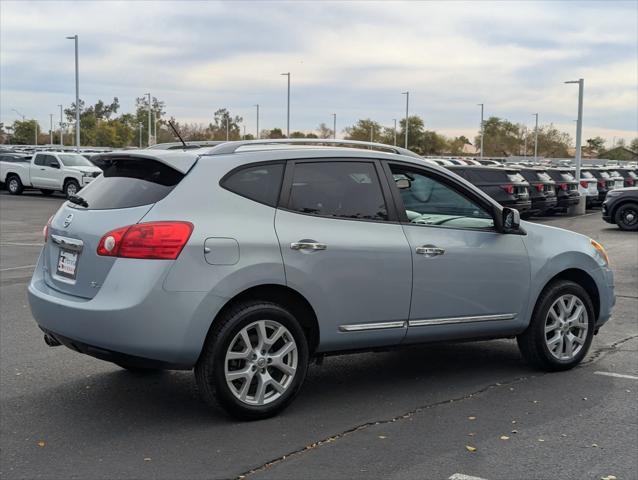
[
  {"x": 130, "y": 182},
  {"x": 260, "y": 183}
]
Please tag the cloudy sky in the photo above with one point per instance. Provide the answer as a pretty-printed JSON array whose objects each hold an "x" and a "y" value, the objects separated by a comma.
[{"x": 350, "y": 58}]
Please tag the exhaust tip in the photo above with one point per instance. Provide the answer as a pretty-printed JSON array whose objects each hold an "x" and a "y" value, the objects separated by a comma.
[{"x": 50, "y": 341}]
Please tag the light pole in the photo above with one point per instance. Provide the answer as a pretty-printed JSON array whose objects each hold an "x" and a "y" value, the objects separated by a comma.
[
  {"x": 77, "y": 93},
  {"x": 536, "y": 138},
  {"x": 288, "y": 107},
  {"x": 371, "y": 133},
  {"x": 395, "y": 131},
  {"x": 334, "y": 126},
  {"x": 257, "y": 135},
  {"x": 51, "y": 128},
  {"x": 227, "y": 126},
  {"x": 35, "y": 126},
  {"x": 14, "y": 110},
  {"x": 525, "y": 142},
  {"x": 481, "y": 105},
  {"x": 407, "y": 109},
  {"x": 149, "y": 118},
  {"x": 154, "y": 128},
  {"x": 243, "y": 137},
  {"x": 140, "y": 124},
  {"x": 61, "y": 127},
  {"x": 579, "y": 124}
]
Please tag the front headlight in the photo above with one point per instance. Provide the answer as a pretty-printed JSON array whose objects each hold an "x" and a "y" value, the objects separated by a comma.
[{"x": 600, "y": 249}]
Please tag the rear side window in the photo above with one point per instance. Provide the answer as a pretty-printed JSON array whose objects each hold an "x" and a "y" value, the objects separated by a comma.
[
  {"x": 338, "y": 189},
  {"x": 130, "y": 182},
  {"x": 260, "y": 183},
  {"x": 515, "y": 177}
]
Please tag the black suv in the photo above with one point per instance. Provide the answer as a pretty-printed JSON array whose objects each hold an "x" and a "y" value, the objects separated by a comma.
[
  {"x": 630, "y": 176},
  {"x": 605, "y": 182},
  {"x": 621, "y": 207},
  {"x": 566, "y": 188},
  {"x": 505, "y": 185},
  {"x": 542, "y": 189}
]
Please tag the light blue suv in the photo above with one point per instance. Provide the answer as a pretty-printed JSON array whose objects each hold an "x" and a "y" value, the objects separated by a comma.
[{"x": 246, "y": 260}]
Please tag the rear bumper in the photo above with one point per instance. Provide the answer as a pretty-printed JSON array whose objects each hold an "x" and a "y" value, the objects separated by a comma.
[
  {"x": 131, "y": 316},
  {"x": 543, "y": 204},
  {"x": 520, "y": 205}
]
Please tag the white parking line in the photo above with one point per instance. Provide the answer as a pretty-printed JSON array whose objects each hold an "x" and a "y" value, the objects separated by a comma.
[
  {"x": 617, "y": 375},
  {"x": 461, "y": 476},
  {"x": 16, "y": 268}
]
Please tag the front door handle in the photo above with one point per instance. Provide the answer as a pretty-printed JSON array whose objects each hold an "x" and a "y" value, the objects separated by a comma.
[
  {"x": 430, "y": 250},
  {"x": 308, "y": 245}
]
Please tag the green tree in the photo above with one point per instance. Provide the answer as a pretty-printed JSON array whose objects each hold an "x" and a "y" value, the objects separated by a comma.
[
  {"x": 552, "y": 142},
  {"x": 364, "y": 130},
  {"x": 633, "y": 145},
  {"x": 297, "y": 135},
  {"x": 597, "y": 144},
  {"x": 223, "y": 122},
  {"x": 323, "y": 131},
  {"x": 455, "y": 145},
  {"x": 416, "y": 130},
  {"x": 501, "y": 137},
  {"x": 141, "y": 114},
  {"x": 433, "y": 143},
  {"x": 24, "y": 132},
  {"x": 274, "y": 133}
]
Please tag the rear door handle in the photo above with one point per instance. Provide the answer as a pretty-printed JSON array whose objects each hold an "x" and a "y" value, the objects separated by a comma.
[
  {"x": 430, "y": 250},
  {"x": 308, "y": 245}
]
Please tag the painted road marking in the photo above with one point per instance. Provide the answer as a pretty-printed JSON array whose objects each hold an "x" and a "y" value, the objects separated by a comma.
[
  {"x": 617, "y": 375},
  {"x": 461, "y": 476},
  {"x": 16, "y": 268}
]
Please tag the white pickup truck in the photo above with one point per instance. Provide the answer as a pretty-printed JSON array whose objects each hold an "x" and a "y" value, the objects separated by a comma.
[{"x": 49, "y": 172}]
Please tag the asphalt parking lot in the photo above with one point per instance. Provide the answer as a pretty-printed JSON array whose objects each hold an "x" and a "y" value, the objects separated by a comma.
[{"x": 411, "y": 413}]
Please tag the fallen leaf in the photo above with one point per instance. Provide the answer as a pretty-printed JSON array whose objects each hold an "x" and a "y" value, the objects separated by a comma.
[
  {"x": 471, "y": 434},
  {"x": 471, "y": 418},
  {"x": 147, "y": 459},
  {"x": 382, "y": 437},
  {"x": 513, "y": 421},
  {"x": 470, "y": 448},
  {"x": 541, "y": 440},
  {"x": 41, "y": 443},
  {"x": 563, "y": 435},
  {"x": 584, "y": 398},
  {"x": 594, "y": 445},
  {"x": 609, "y": 477},
  {"x": 535, "y": 401},
  {"x": 504, "y": 437},
  {"x": 514, "y": 431}
]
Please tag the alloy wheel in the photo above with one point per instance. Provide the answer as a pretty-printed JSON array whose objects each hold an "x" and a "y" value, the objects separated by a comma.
[
  {"x": 261, "y": 362},
  {"x": 71, "y": 189},
  {"x": 13, "y": 185},
  {"x": 566, "y": 327},
  {"x": 629, "y": 216}
]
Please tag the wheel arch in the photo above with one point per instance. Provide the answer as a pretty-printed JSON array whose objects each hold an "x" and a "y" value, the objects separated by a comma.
[
  {"x": 284, "y": 296},
  {"x": 68, "y": 179},
  {"x": 619, "y": 204},
  {"x": 580, "y": 277}
]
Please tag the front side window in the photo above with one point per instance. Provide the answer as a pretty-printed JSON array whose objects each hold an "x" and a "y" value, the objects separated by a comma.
[
  {"x": 338, "y": 189},
  {"x": 258, "y": 182},
  {"x": 51, "y": 161},
  {"x": 430, "y": 202},
  {"x": 40, "y": 160}
]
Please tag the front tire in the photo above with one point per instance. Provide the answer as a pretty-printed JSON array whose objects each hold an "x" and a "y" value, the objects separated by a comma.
[
  {"x": 254, "y": 361},
  {"x": 71, "y": 187},
  {"x": 626, "y": 217},
  {"x": 14, "y": 185},
  {"x": 562, "y": 328}
]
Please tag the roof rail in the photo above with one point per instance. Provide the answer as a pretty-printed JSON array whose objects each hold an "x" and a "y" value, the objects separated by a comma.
[{"x": 232, "y": 147}]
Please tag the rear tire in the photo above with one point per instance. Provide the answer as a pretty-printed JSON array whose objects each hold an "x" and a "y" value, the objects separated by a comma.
[
  {"x": 626, "y": 217},
  {"x": 14, "y": 185},
  {"x": 46, "y": 192},
  {"x": 254, "y": 361},
  {"x": 559, "y": 340},
  {"x": 71, "y": 187}
]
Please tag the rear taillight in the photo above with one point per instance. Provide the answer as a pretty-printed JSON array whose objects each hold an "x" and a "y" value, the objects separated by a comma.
[
  {"x": 562, "y": 186},
  {"x": 508, "y": 188},
  {"x": 45, "y": 230},
  {"x": 601, "y": 183},
  {"x": 152, "y": 240},
  {"x": 584, "y": 184},
  {"x": 539, "y": 187},
  {"x": 630, "y": 181}
]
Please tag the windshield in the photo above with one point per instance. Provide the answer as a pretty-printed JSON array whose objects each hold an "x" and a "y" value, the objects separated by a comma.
[
  {"x": 515, "y": 177},
  {"x": 567, "y": 176},
  {"x": 586, "y": 175},
  {"x": 70, "y": 160},
  {"x": 544, "y": 176}
]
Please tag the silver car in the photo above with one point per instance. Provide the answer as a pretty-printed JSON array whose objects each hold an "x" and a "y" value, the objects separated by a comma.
[{"x": 245, "y": 261}]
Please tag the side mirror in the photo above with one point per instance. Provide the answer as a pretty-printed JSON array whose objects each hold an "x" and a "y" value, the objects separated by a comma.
[
  {"x": 511, "y": 220},
  {"x": 54, "y": 165},
  {"x": 403, "y": 183}
]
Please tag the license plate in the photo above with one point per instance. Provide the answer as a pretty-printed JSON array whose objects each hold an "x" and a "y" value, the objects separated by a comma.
[{"x": 67, "y": 264}]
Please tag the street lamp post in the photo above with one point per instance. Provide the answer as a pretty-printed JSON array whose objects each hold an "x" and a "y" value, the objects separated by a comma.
[
  {"x": 61, "y": 127},
  {"x": 525, "y": 142},
  {"x": 51, "y": 129},
  {"x": 140, "y": 124},
  {"x": 149, "y": 118},
  {"x": 334, "y": 126},
  {"x": 395, "y": 131},
  {"x": 371, "y": 133},
  {"x": 481, "y": 105},
  {"x": 35, "y": 127},
  {"x": 257, "y": 135},
  {"x": 536, "y": 138},
  {"x": 227, "y": 127},
  {"x": 288, "y": 107},
  {"x": 579, "y": 132},
  {"x": 407, "y": 109},
  {"x": 77, "y": 93}
]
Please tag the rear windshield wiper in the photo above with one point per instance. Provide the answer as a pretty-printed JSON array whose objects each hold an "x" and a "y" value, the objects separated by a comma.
[{"x": 78, "y": 201}]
